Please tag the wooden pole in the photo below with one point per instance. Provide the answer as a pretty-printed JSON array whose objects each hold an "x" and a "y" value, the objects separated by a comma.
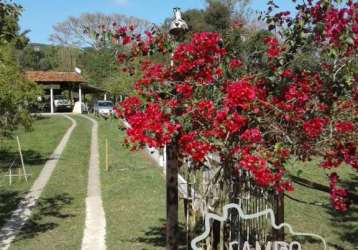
[
  {"x": 10, "y": 177},
  {"x": 22, "y": 159},
  {"x": 107, "y": 157},
  {"x": 279, "y": 235},
  {"x": 172, "y": 196}
]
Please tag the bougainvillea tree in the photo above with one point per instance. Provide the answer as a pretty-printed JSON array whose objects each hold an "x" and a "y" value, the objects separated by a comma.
[{"x": 253, "y": 114}]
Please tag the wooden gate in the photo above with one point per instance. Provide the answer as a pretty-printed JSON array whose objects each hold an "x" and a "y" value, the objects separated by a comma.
[{"x": 209, "y": 188}]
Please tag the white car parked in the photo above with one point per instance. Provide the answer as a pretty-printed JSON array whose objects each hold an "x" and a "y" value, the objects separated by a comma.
[
  {"x": 103, "y": 108},
  {"x": 61, "y": 103}
]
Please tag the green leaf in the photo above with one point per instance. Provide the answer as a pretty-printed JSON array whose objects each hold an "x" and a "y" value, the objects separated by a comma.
[
  {"x": 299, "y": 172},
  {"x": 350, "y": 40}
]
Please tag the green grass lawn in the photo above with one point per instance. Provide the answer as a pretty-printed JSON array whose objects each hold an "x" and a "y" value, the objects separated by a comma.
[
  {"x": 37, "y": 146},
  {"x": 58, "y": 219},
  {"x": 310, "y": 210},
  {"x": 133, "y": 194}
]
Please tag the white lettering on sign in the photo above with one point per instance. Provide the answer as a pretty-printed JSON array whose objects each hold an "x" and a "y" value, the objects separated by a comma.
[{"x": 277, "y": 245}]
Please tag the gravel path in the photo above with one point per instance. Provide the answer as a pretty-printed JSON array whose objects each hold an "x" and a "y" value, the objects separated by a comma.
[
  {"x": 95, "y": 228},
  {"x": 23, "y": 212}
]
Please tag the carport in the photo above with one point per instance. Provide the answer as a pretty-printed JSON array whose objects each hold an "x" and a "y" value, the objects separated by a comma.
[{"x": 54, "y": 82}]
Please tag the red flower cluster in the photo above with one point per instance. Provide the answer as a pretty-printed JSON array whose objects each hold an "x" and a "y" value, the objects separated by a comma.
[
  {"x": 185, "y": 89},
  {"x": 273, "y": 49},
  {"x": 341, "y": 152},
  {"x": 234, "y": 63},
  {"x": 262, "y": 174},
  {"x": 203, "y": 109},
  {"x": 239, "y": 94},
  {"x": 338, "y": 194},
  {"x": 130, "y": 105},
  {"x": 344, "y": 126},
  {"x": 190, "y": 145},
  {"x": 258, "y": 167},
  {"x": 199, "y": 59},
  {"x": 338, "y": 24},
  {"x": 232, "y": 124},
  {"x": 252, "y": 135},
  {"x": 150, "y": 126},
  {"x": 314, "y": 127}
]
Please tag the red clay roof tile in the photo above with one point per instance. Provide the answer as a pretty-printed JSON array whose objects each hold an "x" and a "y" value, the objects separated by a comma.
[{"x": 53, "y": 76}]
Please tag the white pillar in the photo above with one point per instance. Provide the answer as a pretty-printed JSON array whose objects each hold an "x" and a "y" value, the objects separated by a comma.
[
  {"x": 80, "y": 97},
  {"x": 105, "y": 96},
  {"x": 51, "y": 100}
]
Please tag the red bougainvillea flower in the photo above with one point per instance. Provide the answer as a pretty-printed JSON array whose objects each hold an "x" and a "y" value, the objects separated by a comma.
[
  {"x": 258, "y": 167},
  {"x": 199, "y": 59},
  {"x": 344, "y": 126},
  {"x": 204, "y": 108},
  {"x": 120, "y": 57},
  {"x": 239, "y": 94},
  {"x": 271, "y": 41},
  {"x": 313, "y": 127},
  {"x": 233, "y": 123},
  {"x": 151, "y": 126},
  {"x": 234, "y": 63},
  {"x": 338, "y": 194},
  {"x": 185, "y": 89},
  {"x": 130, "y": 105},
  {"x": 263, "y": 175},
  {"x": 252, "y": 135},
  {"x": 194, "y": 147},
  {"x": 336, "y": 23},
  {"x": 273, "y": 49},
  {"x": 288, "y": 73},
  {"x": 273, "y": 52},
  {"x": 126, "y": 40},
  {"x": 341, "y": 153}
]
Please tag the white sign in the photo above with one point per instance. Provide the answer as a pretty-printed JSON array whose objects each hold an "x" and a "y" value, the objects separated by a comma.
[{"x": 276, "y": 245}]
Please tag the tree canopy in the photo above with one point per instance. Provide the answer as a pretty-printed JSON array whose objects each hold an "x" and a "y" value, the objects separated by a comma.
[
  {"x": 86, "y": 30},
  {"x": 17, "y": 95}
]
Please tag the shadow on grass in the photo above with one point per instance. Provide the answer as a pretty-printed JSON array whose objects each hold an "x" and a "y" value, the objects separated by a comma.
[
  {"x": 8, "y": 202},
  {"x": 156, "y": 236},
  {"x": 44, "y": 212},
  {"x": 39, "y": 117},
  {"x": 31, "y": 157}
]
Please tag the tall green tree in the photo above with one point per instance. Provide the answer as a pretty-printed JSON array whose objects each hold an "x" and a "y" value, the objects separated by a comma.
[
  {"x": 120, "y": 83},
  {"x": 9, "y": 28},
  {"x": 97, "y": 64},
  {"x": 17, "y": 95},
  {"x": 86, "y": 30},
  {"x": 218, "y": 16},
  {"x": 35, "y": 57}
]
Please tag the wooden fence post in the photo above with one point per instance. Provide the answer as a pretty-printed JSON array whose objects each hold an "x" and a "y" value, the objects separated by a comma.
[
  {"x": 279, "y": 206},
  {"x": 172, "y": 196},
  {"x": 107, "y": 157},
  {"x": 22, "y": 160}
]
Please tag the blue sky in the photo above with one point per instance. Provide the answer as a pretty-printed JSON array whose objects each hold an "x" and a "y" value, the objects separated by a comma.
[{"x": 40, "y": 15}]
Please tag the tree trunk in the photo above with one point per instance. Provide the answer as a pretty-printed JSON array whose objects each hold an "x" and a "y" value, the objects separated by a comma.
[{"x": 172, "y": 196}]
